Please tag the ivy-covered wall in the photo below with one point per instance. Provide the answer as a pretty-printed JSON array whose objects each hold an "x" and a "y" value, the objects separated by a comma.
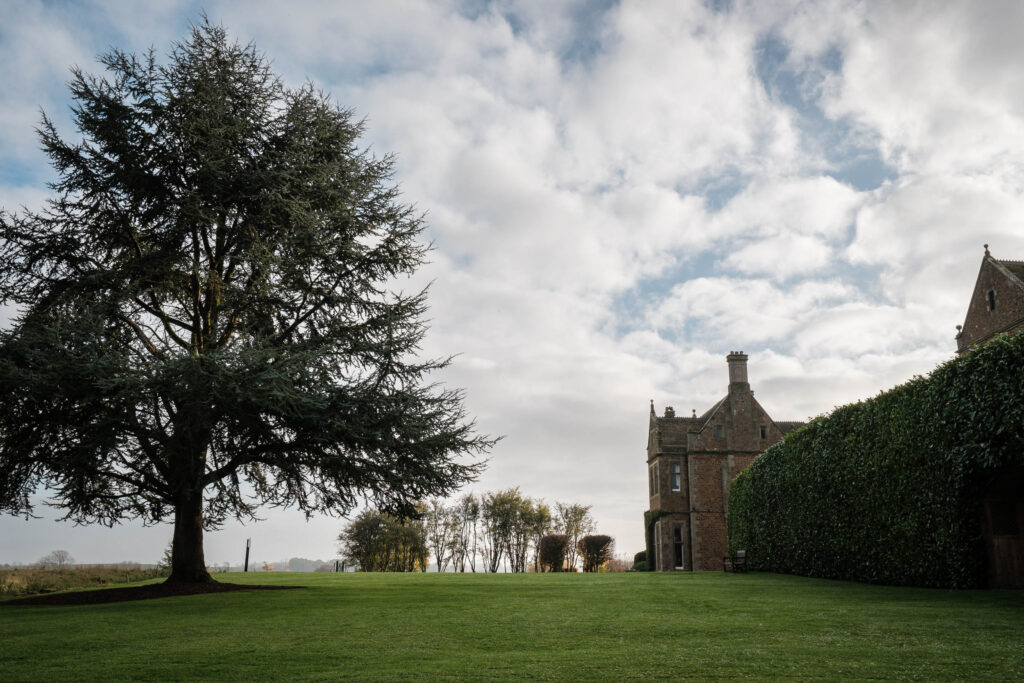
[
  {"x": 887, "y": 490},
  {"x": 651, "y": 518}
]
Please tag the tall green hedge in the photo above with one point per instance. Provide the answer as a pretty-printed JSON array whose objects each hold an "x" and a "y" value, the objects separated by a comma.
[{"x": 887, "y": 490}]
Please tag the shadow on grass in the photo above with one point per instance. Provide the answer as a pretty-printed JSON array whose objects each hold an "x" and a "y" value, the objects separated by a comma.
[{"x": 146, "y": 592}]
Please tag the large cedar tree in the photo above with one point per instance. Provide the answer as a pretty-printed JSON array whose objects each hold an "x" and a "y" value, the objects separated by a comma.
[{"x": 209, "y": 319}]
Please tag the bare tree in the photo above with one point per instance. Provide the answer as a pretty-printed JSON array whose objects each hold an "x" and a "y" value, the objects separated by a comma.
[
  {"x": 442, "y": 525},
  {"x": 464, "y": 548},
  {"x": 508, "y": 522},
  {"x": 58, "y": 559},
  {"x": 540, "y": 524},
  {"x": 574, "y": 521},
  {"x": 519, "y": 512},
  {"x": 492, "y": 532}
]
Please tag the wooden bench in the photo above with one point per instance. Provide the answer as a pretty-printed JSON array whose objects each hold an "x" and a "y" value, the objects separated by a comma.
[{"x": 736, "y": 563}]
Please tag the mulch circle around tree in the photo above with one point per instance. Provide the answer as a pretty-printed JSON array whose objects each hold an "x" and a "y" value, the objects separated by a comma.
[{"x": 147, "y": 592}]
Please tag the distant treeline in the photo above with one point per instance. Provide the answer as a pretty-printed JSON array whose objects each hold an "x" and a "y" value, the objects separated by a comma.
[{"x": 490, "y": 532}]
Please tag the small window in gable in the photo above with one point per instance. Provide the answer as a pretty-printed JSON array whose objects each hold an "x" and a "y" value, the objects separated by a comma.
[
  {"x": 764, "y": 432},
  {"x": 718, "y": 431},
  {"x": 991, "y": 299}
]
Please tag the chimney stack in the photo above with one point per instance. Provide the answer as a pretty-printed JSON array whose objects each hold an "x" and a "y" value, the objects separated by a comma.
[{"x": 737, "y": 367}]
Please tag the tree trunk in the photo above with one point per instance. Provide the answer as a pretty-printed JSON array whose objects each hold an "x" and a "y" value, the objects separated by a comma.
[{"x": 188, "y": 565}]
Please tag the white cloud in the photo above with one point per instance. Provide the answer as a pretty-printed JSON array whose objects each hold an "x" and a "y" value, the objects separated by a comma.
[
  {"x": 781, "y": 256},
  {"x": 816, "y": 205},
  {"x": 941, "y": 85},
  {"x": 927, "y": 232},
  {"x": 742, "y": 311}
]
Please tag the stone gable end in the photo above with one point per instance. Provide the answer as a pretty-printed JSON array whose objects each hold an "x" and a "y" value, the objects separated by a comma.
[{"x": 997, "y": 303}]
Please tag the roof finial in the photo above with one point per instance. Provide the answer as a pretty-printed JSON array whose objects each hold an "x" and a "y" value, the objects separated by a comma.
[
  {"x": 652, "y": 406},
  {"x": 986, "y": 250},
  {"x": 694, "y": 412}
]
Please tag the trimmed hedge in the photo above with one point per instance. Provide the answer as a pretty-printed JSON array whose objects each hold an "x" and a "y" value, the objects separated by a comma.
[
  {"x": 887, "y": 490},
  {"x": 595, "y": 550},
  {"x": 639, "y": 562},
  {"x": 552, "y": 550}
]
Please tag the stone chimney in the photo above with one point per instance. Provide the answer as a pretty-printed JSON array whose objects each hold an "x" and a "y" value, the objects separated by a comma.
[{"x": 737, "y": 367}]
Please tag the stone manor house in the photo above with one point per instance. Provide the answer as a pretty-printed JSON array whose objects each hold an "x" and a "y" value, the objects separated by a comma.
[{"x": 692, "y": 460}]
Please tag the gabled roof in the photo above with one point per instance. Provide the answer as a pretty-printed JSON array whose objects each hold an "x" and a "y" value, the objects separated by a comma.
[
  {"x": 702, "y": 421},
  {"x": 787, "y": 427},
  {"x": 1014, "y": 270},
  {"x": 978, "y": 325},
  {"x": 706, "y": 417},
  {"x": 694, "y": 420}
]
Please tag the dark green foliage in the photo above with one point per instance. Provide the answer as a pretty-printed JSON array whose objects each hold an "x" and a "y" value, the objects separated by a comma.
[
  {"x": 886, "y": 490},
  {"x": 650, "y": 519},
  {"x": 553, "y": 549},
  {"x": 595, "y": 549},
  {"x": 207, "y": 315},
  {"x": 379, "y": 542},
  {"x": 640, "y": 561}
]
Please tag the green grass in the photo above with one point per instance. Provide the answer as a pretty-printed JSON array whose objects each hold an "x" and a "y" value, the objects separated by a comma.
[{"x": 550, "y": 626}]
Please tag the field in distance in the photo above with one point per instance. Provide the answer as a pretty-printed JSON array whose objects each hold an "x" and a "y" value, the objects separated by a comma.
[{"x": 548, "y": 626}]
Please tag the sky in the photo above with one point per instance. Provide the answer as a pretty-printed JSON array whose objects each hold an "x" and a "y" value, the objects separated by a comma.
[{"x": 619, "y": 194}]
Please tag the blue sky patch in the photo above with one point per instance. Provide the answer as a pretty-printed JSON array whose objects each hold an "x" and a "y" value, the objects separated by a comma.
[{"x": 850, "y": 160}]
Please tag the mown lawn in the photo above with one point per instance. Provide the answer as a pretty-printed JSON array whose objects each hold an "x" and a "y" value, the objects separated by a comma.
[{"x": 570, "y": 626}]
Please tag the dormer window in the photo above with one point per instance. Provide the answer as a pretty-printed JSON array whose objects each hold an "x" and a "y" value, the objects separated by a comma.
[{"x": 991, "y": 299}]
